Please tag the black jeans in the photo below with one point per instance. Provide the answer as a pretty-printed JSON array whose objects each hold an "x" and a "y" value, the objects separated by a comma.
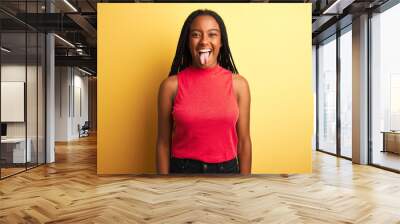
[{"x": 177, "y": 165}]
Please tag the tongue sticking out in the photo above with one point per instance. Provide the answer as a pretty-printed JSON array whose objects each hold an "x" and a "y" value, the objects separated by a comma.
[{"x": 204, "y": 58}]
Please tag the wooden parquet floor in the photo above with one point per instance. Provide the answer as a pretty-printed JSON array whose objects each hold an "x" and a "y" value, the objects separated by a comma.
[{"x": 69, "y": 191}]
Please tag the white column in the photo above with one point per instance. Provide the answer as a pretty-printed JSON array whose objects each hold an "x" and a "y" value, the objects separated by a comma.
[
  {"x": 50, "y": 92},
  {"x": 360, "y": 90},
  {"x": 50, "y": 100}
]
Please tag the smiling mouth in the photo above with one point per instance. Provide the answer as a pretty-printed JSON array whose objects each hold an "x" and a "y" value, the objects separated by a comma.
[{"x": 204, "y": 55}]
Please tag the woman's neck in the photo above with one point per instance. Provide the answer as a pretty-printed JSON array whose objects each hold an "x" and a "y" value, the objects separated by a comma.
[{"x": 205, "y": 69}]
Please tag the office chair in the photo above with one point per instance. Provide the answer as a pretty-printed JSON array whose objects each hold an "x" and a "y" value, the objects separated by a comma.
[{"x": 84, "y": 130}]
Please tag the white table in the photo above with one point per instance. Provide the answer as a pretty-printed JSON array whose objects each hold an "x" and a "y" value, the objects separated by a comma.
[{"x": 18, "y": 145}]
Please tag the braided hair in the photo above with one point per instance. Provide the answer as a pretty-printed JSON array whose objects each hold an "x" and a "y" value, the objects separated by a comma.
[{"x": 183, "y": 58}]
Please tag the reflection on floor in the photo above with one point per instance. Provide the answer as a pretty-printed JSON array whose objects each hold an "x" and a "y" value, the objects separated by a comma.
[
  {"x": 70, "y": 191},
  {"x": 387, "y": 159},
  {"x": 11, "y": 169}
]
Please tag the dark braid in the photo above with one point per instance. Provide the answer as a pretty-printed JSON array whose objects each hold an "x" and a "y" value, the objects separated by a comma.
[{"x": 183, "y": 58}]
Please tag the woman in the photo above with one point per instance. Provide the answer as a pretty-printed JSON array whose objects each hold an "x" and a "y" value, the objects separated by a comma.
[{"x": 204, "y": 105}]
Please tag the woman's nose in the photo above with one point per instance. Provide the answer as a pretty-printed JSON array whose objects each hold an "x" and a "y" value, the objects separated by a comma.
[{"x": 204, "y": 39}]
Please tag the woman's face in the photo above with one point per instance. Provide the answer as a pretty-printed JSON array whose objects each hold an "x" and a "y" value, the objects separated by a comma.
[{"x": 204, "y": 41}]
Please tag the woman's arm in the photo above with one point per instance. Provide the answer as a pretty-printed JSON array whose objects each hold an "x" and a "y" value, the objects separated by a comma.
[
  {"x": 166, "y": 97},
  {"x": 243, "y": 125}
]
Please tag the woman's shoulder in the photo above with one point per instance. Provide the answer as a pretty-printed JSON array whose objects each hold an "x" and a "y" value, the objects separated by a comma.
[
  {"x": 169, "y": 84},
  {"x": 170, "y": 80},
  {"x": 239, "y": 81},
  {"x": 240, "y": 85}
]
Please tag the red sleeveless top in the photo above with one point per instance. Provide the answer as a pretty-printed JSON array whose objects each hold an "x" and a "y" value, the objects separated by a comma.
[{"x": 205, "y": 114}]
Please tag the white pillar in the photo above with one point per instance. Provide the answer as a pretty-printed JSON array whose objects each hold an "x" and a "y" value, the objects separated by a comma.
[
  {"x": 50, "y": 99},
  {"x": 360, "y": 90},
  {"x": 50, "y": 91}
]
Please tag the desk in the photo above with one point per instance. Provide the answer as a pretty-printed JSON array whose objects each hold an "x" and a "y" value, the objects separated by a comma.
[
  {"x": 15, "y": 148},
  {"x": 391, "y": 141}
]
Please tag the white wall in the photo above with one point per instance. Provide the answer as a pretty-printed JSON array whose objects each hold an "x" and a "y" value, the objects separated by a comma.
[
  {"x": 62, "y": 81},
  {"x": 16, "y": 73},
  {"x": 71, "y": 94},
  {"x": 12, "y": 73},
  {"x": 80, "y": 110}
]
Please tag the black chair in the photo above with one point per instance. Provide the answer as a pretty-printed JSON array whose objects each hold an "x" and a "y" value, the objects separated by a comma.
[{"x": 84, "y": 130}]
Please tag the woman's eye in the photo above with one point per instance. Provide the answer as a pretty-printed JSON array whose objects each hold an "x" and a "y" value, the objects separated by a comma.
[
  {"x": 195, "y": 35},
  {"x": 213, "y": 35}
]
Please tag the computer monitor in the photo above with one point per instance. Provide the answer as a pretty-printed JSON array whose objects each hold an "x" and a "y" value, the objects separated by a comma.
[{"x": 3, "y": 129}]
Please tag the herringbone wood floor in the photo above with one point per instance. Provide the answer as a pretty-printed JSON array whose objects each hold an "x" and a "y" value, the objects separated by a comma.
[{"x": 69, "y": 191}]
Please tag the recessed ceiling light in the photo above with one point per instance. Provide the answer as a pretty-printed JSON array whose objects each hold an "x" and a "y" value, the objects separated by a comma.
[
  {"x": 337, "y": 7},
  {"x": 5, "y": 50},
  {"x": 71, "y": 6},
  {"x": 64, "y": 40},
  {"x": 84, "y": 71}
]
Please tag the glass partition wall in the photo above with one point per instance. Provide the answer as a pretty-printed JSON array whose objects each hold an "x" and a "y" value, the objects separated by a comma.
[
  {"x": 13, "y": 110},
  {"x": 345, "y": 62},
  {"x": 385, "y": 89},
  {"x": 327, "y": 95},
  {"x": 22, "y": 88},
  {"x": 334, "y": 86}
]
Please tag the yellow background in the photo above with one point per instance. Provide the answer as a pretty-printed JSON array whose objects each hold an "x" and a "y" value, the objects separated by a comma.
[{"x": 271, "y": 46}]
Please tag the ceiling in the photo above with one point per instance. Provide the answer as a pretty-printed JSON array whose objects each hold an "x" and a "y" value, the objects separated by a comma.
[{"x": 76, "y": 22}]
